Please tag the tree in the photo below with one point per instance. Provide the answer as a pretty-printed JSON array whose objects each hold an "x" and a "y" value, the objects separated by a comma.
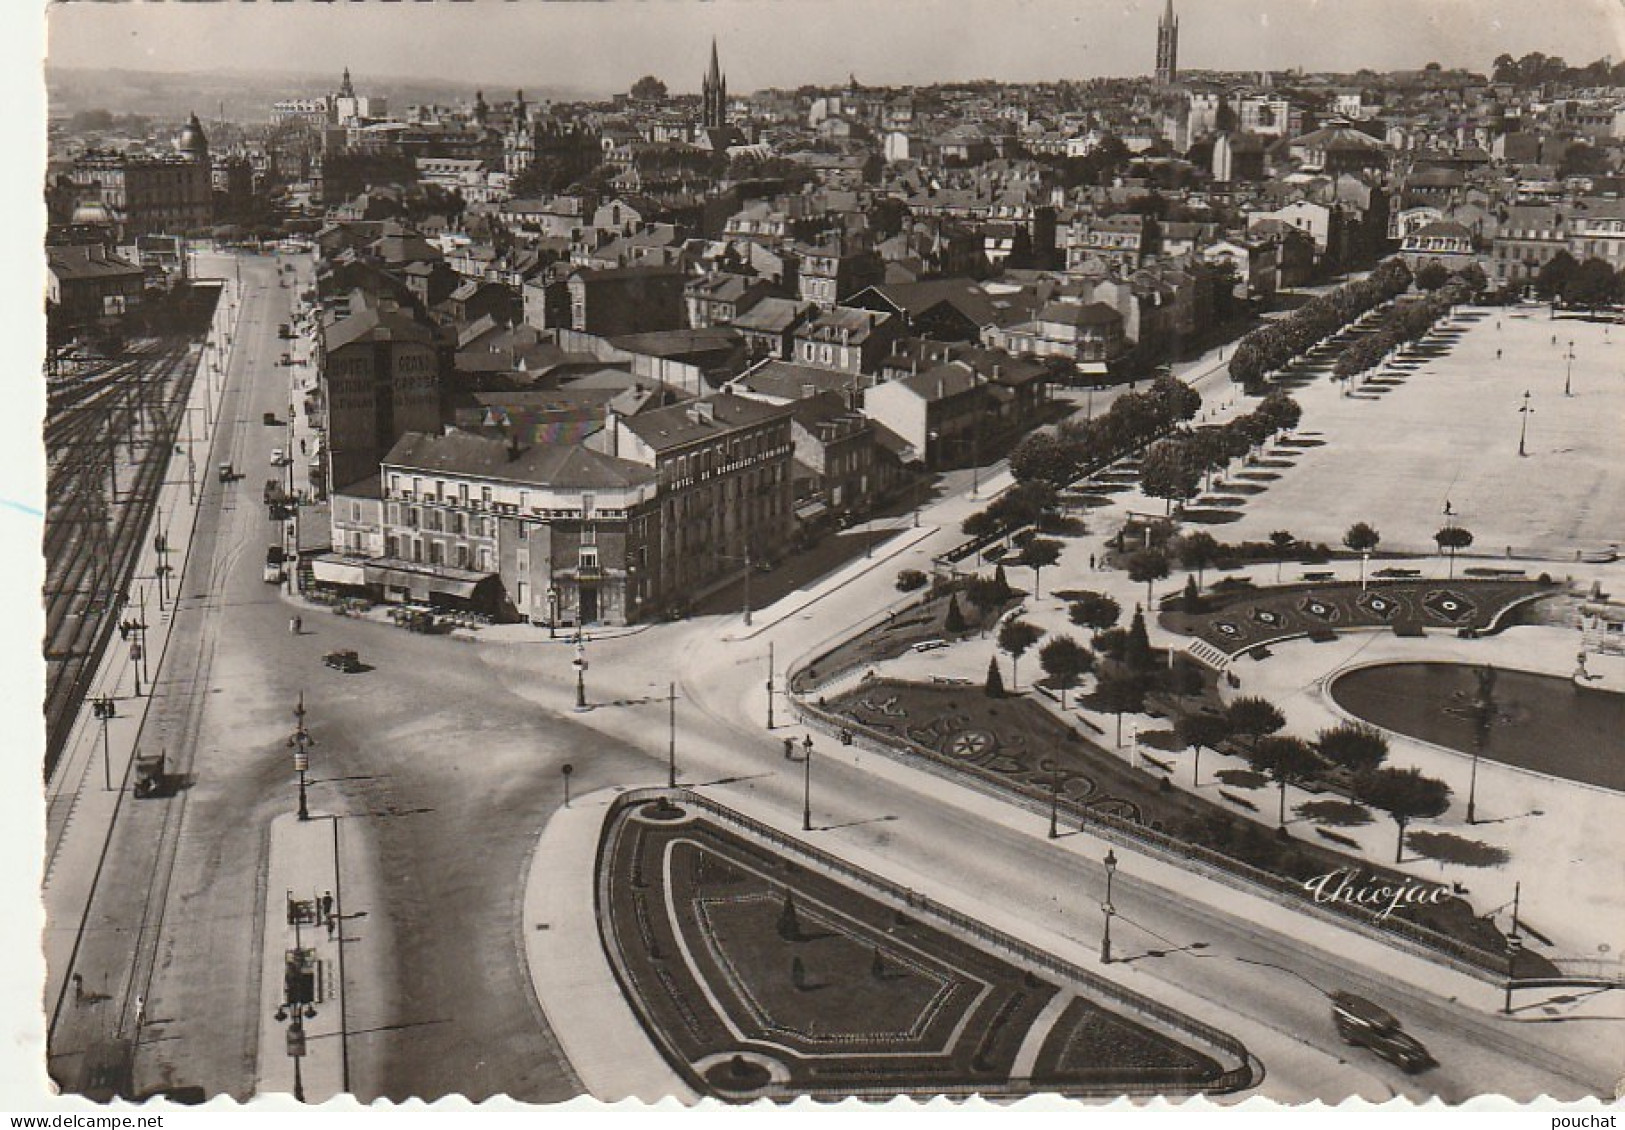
[
  {"x": 954, "y": 621},
  {"x": 1197, "y": 551},
  {"x": 1137, "y": 645},
  {"x": 1353, "y": 745},
  {"x": 1593, "y": 284},
  {"x": 1016, "y": 637},
  {"x": 1094, "y": 610},
  {"x": 1044, "y": 457},
  {"x": 789, "y": 922},
  {"x": 648, "y": 89},
  {"x": 1453, "y": 539},
  {"x": 1554, "y": 275},
  {"x": 1432, "y": 275},
  {"x": 979, "y": 524},
  {"x": 1192, "y": 596},
  {"x": 887, "y": 216},
  {"x": 1283, "y": 541},
  {"x": 1405, "y": 795},
  {"x": 1120, "y": 694},
  {"x": 1149, "y": 566},
  {"x": 985, "y": 593},
  {"x": 1038, "y": 554},
  {"x": 1254, "y": 717},
  {"x": 1286, "y": 760},
  {"x": 994, "y": 686},
  {"x": 1171, "y": 471},
  {"x": 1201, "y": 729},
  {"x": 1065, "y": 661},
  {"x": 1280, "y": 411},
  {"x": 1362, "y": 537}
]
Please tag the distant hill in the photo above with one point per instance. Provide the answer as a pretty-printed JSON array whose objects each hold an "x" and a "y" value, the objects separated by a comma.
[{"x": 244, "y": 96}]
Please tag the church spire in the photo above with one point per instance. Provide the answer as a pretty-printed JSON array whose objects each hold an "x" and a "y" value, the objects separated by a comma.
[
  {"x": 1168, "y": 46},
  {"x": 714, "y": 93}
]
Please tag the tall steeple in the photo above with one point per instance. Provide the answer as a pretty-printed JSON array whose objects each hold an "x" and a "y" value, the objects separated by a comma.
[
  {"x": 714, "y": 94},
  {"x": 346, "y": 90},
  {"x": 1168, "y": 46}
]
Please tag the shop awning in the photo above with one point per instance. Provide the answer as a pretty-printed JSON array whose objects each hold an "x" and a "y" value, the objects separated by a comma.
[
  {"x": 808, "y": 511},
  {"x": 1092, "y": 368},
  {"x": 333, "y": 571},
  {"x": 421, "y": 581}
]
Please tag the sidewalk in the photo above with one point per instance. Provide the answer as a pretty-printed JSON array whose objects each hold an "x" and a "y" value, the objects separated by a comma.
[
  {"x": 570, "y": 973},
  {"x": 304, "y": 916},
  {"x": 84, "y": 794}
]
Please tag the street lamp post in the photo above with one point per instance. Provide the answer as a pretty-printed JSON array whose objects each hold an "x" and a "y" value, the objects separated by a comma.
[
  {"x": 552, "y": 611},
  {"x": 1523, "y": 428},
  {"x": 1054, "y": 806},
  {"x": 298, "y": 1008},
  {"x": 580, "y": 664},
  {"x": 1106, "y": 935},
  {"x": 671, "y": 744},
  {"x": 567, "y": 769},
  {"x": 1514, "y": 947},
  {"x": 769, "y": 684},
  {"x": 106, "y": 710},
  {"x": 1568, "y": 373},
  {"x": 301, "y": 742},
  {"x": 806, "y": 783}
]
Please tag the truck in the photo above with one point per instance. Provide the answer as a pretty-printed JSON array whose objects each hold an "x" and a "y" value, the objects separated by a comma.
[
  {"x": 273, "y": 565},
  {"x": 150, "y": 776}
]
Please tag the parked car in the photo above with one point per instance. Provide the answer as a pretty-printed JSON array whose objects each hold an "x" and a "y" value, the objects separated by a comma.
[
  {"x": 346, "y": 661},
  {"x": 273, "y": 565},
  {"x": 278, "y": 457},
  {"x": 1365, "y": 1024},
  {"x": 271, "y": 420},
  {"x": 227, "y": 472}
]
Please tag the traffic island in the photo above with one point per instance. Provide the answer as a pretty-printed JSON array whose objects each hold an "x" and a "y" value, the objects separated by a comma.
[
  {"x": 302, "y": 1045},
  {"x": 761, "y": 968}
]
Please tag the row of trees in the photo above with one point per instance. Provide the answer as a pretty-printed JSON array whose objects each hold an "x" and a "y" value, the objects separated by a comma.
[
  {"x": 1405, "y": 794},
  {"x": 1272, "y": 346},
  {"x": 1590, "y": 284},
  {"x": 1174, "y": 469},
  {"x": 1135, "y": 418},
  {"x": 1408, "y": 322}
]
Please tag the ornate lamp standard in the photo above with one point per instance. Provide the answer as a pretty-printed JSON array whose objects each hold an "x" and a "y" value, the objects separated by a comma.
[
  {"x": 297, "y": 1007},
  {"x": 1523, "y": 428},
  {"x": 806, "y": 783},
  {"x": 580, "y": 664},
  {"x": 1106, "y": 934},
  {"x": 301, "y": 741}
]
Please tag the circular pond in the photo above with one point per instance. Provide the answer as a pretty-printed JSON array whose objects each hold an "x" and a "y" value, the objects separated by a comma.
[{"x": 1537, "y": 722}]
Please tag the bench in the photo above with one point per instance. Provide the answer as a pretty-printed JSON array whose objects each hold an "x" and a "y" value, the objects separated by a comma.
[{"x": 1319, "y": 576}]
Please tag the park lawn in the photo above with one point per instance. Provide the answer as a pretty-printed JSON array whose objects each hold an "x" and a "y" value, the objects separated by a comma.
[
  {"x": 1017, "y": 743},
  {"x": 934, "y": 1011},
  {"x": 896, "y": 635}
]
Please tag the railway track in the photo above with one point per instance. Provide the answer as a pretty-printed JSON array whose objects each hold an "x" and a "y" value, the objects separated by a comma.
[{"x": 96, "y": 517}]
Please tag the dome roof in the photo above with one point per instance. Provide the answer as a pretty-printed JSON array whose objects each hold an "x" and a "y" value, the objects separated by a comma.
[
  {"x": 192, "y": 140},
  {"x": 92, "y": 212}
]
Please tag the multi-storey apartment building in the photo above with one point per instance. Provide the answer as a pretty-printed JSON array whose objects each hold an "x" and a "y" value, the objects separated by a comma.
[
  {"x": 723, "y": 466},
  {"x": 380, "y": 378},
  {"x": 553, "y": 534}
]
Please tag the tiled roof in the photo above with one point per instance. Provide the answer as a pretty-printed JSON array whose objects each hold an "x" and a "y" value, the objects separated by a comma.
[
  {"x": 681, "y": 424},
  {"x": 569, "y": 466}
]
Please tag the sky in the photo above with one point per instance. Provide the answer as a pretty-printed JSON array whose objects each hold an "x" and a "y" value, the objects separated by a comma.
[{"x": 602, "y": 47}]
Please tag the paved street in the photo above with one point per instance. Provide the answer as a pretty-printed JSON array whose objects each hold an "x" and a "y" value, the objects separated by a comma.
[{"x": 444, "y": 762}]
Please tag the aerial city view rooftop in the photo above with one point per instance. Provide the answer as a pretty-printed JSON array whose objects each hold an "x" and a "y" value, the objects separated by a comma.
[{"x": 872, "y": 585}]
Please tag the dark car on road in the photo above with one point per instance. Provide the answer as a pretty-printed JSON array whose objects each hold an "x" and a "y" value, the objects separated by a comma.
[
  {"x": 1365, "y": 1024},
  {"x": 347, "y": 661}
]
